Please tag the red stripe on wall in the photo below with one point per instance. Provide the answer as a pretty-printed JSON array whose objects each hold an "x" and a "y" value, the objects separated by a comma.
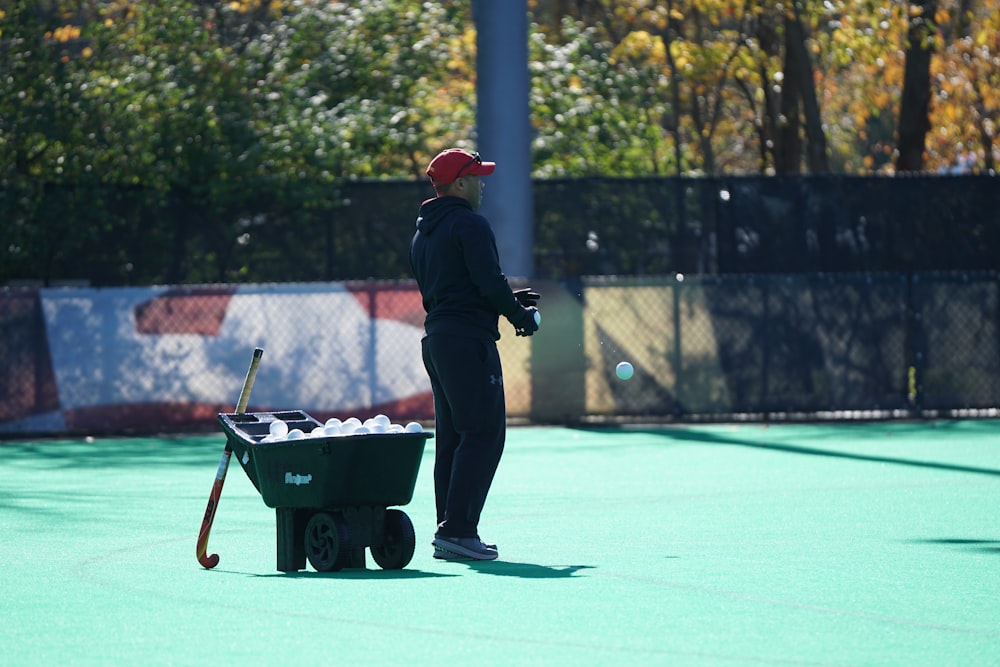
[{"x": 185, "y": 311}]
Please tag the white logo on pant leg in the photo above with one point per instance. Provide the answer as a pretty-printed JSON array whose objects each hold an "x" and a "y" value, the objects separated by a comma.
[{"x": 496, "y": 379}]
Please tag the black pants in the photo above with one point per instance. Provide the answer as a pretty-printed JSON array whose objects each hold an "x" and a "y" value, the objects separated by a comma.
[{"x": 470, "y": 422}]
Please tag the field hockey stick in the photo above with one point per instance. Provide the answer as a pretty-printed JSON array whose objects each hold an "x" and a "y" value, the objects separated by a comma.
[{"x": 210, "y": 561}]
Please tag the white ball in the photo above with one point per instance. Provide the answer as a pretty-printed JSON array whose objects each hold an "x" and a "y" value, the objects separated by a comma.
[
  {"x": 377, "y": 427},
  {"x": 538, "y": 318},
  {"x": 318, "y": 432},
  {"x": 279, "y": 428},
  {"x": 352, "y": 423},
  {"x": 332, "y": 421},
  {"x": 396, "y": 428},
  {"x": 296, "y": 434},
  {"x": 414, "y": 427},
  {"x": 332, "y": 429},
  {"x": 382, "y": 419},
  {"x": 624, "y": 370},
  {"x": 361, "y": 430}
]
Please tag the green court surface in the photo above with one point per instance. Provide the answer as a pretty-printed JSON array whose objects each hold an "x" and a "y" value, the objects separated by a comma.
[{"x": 864, "y": 544}]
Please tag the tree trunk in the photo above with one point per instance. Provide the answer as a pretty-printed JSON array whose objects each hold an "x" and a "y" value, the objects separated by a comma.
[
  {"x": 795, "y": 43},
  {"x": 914, "y": 108},
  {"x": 985, "y": 135},
  {"x": 674, "y": 127},
  {"x": 770, "y": 115},
  {"x": 788, "y": 148}
]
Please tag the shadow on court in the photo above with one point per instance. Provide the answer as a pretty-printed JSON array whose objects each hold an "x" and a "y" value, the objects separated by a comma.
[
  {"x": 383, "y": 575},
  {"x": 104, "y": 453},
  {"x": 501, "y": 568},
  {"x": 494, "y": 567},
  {"x": 710, "y": 438},
  {"x": 977, "y": 546}
]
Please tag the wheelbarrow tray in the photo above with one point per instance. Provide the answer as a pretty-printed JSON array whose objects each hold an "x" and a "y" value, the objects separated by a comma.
[{"x": 376, "y": 469}]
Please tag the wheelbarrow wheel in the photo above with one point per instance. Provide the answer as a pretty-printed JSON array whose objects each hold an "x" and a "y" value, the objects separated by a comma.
[
  {"x": 398, "y": 541},
  {"x": 325, "y": 539}
]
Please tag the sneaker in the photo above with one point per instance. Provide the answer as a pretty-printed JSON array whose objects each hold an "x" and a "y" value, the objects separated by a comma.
[
  {"x": 469, "y": 547},
  {"x": 441, "y": 554}
]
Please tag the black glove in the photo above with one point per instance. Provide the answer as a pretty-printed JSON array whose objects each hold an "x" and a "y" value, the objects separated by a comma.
[
  {"x": 524, "y": 322},
  {"x": 526, "y": 297}
]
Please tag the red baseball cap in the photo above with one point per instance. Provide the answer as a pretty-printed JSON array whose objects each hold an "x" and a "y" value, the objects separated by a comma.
[{"x": 450, "y": 165}]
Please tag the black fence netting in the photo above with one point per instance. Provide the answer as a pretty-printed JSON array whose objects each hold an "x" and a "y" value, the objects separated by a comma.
[
  {"x": 766, "y": 225},
  {"x": 766, "y": 345},
  {"x": 956, "y": 340},
  {"x": 291, "y": 232}
]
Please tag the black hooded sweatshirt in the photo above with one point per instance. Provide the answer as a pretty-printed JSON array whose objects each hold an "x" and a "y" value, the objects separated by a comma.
[{"x": 454, "y": 258}]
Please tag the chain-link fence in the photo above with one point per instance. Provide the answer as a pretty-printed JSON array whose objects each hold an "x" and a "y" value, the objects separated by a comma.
[
  {"x": 956, "y": 344},
  {"x": 750, "y": 297},
  {"x": 767, "y": 346},
  {"x": 760, "y": 347},
  {"x": 796, "y": 346}
]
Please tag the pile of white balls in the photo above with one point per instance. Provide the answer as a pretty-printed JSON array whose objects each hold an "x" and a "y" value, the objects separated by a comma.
[{"x": 334, "y": 427}]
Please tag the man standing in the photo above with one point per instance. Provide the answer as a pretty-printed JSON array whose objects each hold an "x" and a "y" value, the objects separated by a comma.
[{"x": 454, "y": 259}]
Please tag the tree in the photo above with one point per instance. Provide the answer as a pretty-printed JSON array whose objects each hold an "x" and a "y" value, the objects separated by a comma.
[
  {"x": 594, "y": 107},
  {"x": 40, "y": 116},
  {"x": 799, "y": 99},
  {"x": 966, "y": 88},
  {"x": 914, "y": 107},
  {"x": 809, "y": 82},
  {"x": 200, "y": 107},
  {"x": 719, "y": 79}
]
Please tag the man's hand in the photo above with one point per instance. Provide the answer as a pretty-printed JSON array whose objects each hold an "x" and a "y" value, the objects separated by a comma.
[
  {"x": 525, "y": 324},
  {"x": 526, "y": 297}
]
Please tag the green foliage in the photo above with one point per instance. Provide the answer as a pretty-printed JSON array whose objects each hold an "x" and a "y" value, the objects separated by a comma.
[
  {"x": 145, "y": 142},
  {"x": 219, "y": 115},
  {"x": 718, "y": 72},
  {"x": 596, "y": 111}
]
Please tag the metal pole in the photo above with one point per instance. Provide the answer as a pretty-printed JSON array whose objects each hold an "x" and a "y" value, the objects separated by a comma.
[{"x": 504, "y": 128}]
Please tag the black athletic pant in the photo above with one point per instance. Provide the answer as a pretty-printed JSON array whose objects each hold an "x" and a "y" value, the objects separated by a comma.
[{"x": 470, "y": 426}]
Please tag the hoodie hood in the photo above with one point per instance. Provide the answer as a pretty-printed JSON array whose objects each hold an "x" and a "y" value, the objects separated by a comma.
[{"x": 434, "y": 210}]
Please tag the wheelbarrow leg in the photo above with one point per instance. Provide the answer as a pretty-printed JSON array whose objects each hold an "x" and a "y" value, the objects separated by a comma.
[
  {"x": 352, "y": 558},
  {"x": 291, "y": 539},
  {"x": 357, "y": 520}
]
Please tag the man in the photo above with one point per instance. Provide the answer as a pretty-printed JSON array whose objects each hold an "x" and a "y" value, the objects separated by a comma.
[{"x": 454, "y": 258}]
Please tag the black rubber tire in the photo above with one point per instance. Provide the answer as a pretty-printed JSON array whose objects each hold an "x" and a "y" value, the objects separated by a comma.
[
  {"x": 325, "y": 539},
  {"x": 399, "y": 542}
]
